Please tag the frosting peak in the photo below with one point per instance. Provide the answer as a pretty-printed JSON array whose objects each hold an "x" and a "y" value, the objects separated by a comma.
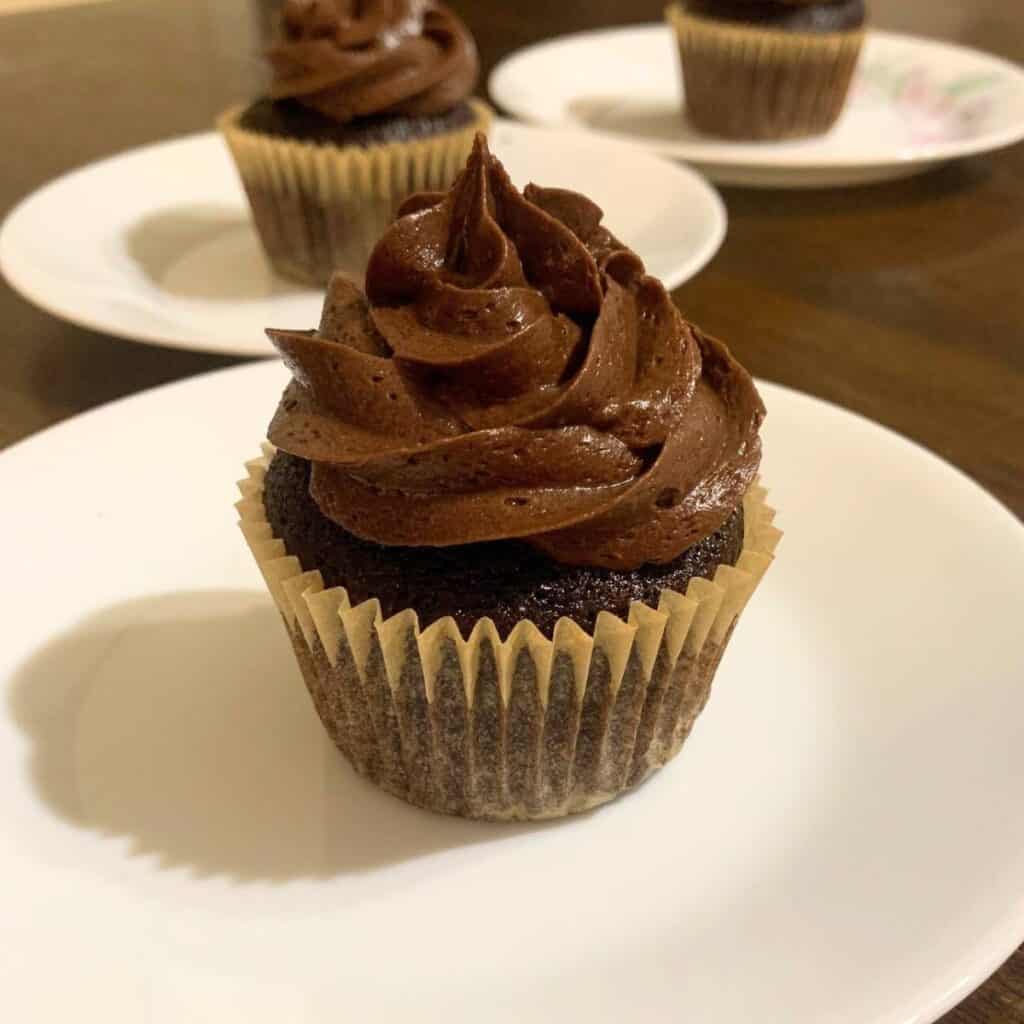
[
  {"x": 512, "y": 372},
  {"x": 358, "y": 58}
]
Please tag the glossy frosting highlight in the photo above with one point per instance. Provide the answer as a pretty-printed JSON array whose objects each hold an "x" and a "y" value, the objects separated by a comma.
[
  {"x": 512, "y": 372},
  {"x": 358, "y": 58}
]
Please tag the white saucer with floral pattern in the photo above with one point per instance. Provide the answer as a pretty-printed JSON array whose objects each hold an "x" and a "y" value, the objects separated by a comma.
[{"x": 916, "y": 103}]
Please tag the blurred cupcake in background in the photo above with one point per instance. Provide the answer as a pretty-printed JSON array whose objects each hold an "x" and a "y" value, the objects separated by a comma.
[
  {"x": 767, "y": 69},
  {"x": 369, "y": 101}
]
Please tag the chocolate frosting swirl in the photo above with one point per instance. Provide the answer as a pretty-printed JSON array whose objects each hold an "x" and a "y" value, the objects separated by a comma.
[
  {"x": 512, "y": 372},
  {"x": 356, "y": 58}
]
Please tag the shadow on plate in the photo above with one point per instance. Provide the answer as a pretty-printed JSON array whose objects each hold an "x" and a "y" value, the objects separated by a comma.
[
  {"x": 181, "y": 722},
  {"x": 204, "y": 251},
  {"x": 654, "y": 119}
]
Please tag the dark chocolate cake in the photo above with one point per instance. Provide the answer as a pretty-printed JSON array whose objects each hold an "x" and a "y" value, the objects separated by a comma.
[
  {"x": 290, "y": 119},
  {"x": 827, "y": 16},
  {"x": 504, "y": 580}
]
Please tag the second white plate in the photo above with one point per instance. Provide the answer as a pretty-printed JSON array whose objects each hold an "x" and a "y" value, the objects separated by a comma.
[
  {"x": 156, "y": 245},
  {"x": 916, "y": 103}
]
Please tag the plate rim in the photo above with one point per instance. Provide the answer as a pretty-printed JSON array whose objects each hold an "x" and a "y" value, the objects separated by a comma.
[
  {"x": 995, "y": 943},
  {"x": 769, "y": 156},
  {"x": 27, "y": 282},
  {"x": 26, "y": 285}
]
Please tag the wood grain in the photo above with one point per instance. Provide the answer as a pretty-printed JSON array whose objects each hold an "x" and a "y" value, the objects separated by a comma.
[{"x": 902, "y": 301}]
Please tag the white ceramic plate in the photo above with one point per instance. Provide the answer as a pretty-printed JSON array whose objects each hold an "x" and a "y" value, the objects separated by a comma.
[
  {"x": 916, "y": 103},
  {"x": 156, "y": 244},
  {"x": 841, "y": 840}
]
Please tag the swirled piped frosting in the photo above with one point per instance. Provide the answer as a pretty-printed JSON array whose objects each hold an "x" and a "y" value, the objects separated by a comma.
[
  {"x": 512, "y": 372},
  {"x": 358, "y": 58}
]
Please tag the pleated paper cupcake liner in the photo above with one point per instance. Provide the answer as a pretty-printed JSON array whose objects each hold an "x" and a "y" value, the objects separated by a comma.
[
  {"x": 320, "y": 207},
  {"x": 749, "y": 82},
  {"x": 525, "y": 727}
]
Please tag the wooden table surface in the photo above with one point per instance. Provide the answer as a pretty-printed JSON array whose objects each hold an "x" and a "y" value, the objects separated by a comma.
[{"x": 902, "y": 302}]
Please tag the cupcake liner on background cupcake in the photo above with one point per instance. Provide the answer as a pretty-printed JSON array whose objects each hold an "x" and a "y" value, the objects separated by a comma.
[
  {"x": 762, "y": 79},
  {"x": 510, "y": 516},
  {"x": 368, "y": 104},
  {"x": 528, "y": 727},
  {"x": 319, "y": 207}
]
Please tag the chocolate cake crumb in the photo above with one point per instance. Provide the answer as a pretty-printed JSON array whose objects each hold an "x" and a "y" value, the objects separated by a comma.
[
  {"x": 505, "y": 580},
  {"x": 291, "y": 120}
]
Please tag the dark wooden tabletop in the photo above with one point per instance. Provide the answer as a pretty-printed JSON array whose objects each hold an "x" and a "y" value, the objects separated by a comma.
[{"x": 900, "y": 301}]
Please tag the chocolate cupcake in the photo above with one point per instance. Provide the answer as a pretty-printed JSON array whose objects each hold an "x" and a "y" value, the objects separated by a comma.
[
  {"x": 370, "y": 102},
  {"x": 509, "y": 511},
  {"x": 767, "y": 69}
]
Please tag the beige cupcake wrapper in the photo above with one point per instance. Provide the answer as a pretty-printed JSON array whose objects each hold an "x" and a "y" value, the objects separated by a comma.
[
  {"x": 748, "y": 82},
  {"x": 320, "y": 207},
  {"x": 524, "y": 728}
]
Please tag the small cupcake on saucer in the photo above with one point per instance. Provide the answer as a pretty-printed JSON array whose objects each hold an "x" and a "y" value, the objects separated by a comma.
[
  {"x": 369, "y": 102},
  {"x": 767, "y": 69}
]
